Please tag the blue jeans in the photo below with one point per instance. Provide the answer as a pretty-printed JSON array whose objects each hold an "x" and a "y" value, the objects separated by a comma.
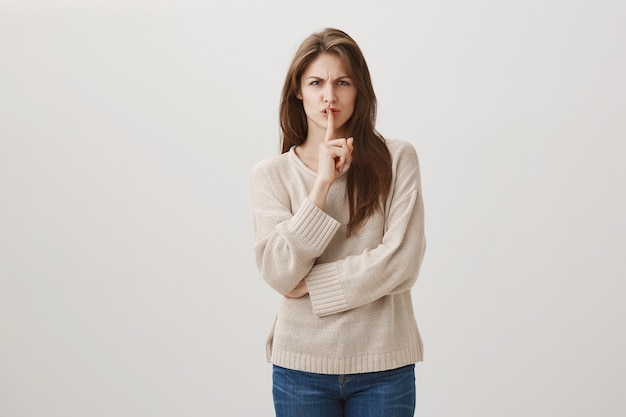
[{"x": 374, "y": 394}]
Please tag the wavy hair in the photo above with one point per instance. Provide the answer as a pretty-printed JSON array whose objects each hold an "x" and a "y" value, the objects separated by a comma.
[{"x": 369, "y": 176}]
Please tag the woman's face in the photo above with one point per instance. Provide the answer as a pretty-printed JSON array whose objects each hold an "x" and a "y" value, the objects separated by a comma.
[{"x": 326, "y": 84}]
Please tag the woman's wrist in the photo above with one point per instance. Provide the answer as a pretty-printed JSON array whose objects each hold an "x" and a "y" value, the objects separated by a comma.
[{"x": 319, "y": 193}]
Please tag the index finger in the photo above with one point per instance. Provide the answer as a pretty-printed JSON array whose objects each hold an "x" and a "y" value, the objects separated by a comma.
[{"x": 330, "y": 125}]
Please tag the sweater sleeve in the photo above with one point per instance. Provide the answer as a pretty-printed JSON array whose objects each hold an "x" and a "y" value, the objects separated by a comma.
[
  {"x": 286, "y": 243},
  {"x": 392, "y": 266}
]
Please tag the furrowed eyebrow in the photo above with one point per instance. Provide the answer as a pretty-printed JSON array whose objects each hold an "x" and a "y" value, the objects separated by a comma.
[{"x": 315, "y": 77}]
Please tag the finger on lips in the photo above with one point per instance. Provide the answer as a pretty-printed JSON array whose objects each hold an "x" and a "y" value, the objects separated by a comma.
[
  {"x": 343, "y": 158},
  {"x": 330, "y": 125}
]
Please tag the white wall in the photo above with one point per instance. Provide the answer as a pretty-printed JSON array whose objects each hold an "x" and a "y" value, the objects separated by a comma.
[{"x": 127, "y": 133}]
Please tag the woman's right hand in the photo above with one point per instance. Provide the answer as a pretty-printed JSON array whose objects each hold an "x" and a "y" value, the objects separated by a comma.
[
  {"x": 334, "y": 154},
  {"x": 334, "y": 158}
]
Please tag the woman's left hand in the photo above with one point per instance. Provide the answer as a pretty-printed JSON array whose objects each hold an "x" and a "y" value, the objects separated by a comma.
[{"x": 300, "y": 291}]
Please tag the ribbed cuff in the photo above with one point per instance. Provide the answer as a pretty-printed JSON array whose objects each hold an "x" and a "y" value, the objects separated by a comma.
[
  {"x": 326, "y": 294},
  {"x": 313, "y": 225}
]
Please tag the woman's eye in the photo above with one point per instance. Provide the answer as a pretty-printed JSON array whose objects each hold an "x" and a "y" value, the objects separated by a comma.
[
  {"x": 315, "y": 83},
  {"x": 343, "y": 83}
]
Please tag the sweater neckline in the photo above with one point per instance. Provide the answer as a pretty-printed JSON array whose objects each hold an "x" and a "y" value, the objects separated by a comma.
[{"x": 292, "y": 154}]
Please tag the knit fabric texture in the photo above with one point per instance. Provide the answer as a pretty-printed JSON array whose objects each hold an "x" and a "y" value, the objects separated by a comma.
[{"x": 358, "y": 316}]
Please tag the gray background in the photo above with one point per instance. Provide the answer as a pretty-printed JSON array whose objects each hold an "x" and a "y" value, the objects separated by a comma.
[{"x": 127, "y": 133}]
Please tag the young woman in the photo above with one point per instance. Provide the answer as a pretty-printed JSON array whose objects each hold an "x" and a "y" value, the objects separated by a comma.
[{"x": 339, "y": 233}]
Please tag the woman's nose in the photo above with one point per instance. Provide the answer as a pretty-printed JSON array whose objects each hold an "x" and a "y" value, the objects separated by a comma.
[{"x": 329, "y": 93}]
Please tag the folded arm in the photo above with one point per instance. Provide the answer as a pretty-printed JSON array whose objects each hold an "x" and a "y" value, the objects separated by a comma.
[
  {"x": 392, "y": 266},
  {"x": 286, "y": 244}
]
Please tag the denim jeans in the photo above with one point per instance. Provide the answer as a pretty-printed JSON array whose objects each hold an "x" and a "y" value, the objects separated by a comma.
[{"x": 374, "y": 394}]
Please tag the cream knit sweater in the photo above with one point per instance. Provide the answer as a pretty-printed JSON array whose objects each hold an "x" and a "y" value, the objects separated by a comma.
[{"x": 358, "y": 316}]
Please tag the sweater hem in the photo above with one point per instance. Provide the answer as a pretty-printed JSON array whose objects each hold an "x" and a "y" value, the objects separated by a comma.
[{"x": 345, "y": 366}]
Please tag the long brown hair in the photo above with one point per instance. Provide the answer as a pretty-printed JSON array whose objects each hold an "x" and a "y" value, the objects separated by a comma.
[{"x": 369, "y": 176}]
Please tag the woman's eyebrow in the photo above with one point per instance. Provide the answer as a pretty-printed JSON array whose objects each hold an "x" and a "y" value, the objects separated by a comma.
[{"x": 317, "y": 77}]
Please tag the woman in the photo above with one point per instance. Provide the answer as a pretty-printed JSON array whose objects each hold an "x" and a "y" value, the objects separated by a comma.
[{"x": 339, "y": 232}]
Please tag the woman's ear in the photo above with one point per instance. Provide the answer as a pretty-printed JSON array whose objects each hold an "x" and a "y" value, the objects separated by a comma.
[{"x": 298, "y": 95}]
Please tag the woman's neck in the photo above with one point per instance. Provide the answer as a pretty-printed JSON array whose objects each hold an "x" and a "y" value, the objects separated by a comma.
[{"x": 308, "y": 152}]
